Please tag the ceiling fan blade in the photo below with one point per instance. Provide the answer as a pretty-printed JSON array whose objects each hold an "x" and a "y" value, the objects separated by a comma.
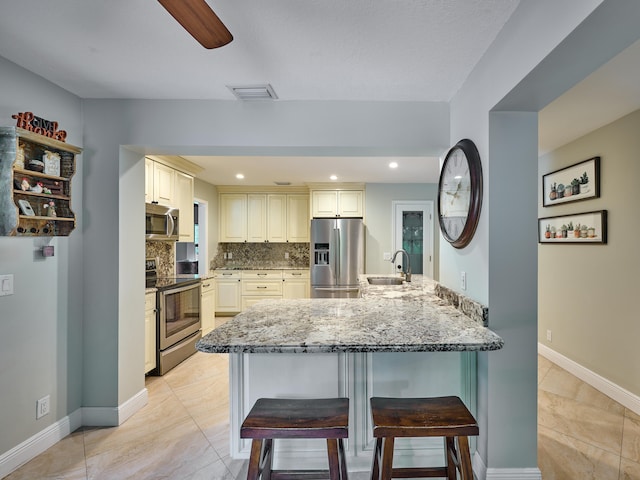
[{"x": 200, "y": 21}]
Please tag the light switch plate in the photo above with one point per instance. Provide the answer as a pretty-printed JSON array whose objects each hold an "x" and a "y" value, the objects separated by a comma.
[{"x": 6, "y": 285}]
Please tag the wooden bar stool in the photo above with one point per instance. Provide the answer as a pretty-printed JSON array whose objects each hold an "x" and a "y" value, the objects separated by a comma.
[
  {"x": 422, "y": 417},
  {"x": 272, "y": 418}
]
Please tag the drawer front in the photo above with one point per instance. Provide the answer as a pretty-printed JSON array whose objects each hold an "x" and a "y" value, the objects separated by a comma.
[
  {"x": 295, "y": 274},
  {"x": 261, "y": 287},
  {"x": 227, "y": 274},
  {"x": 262, "y": 275},
  {"x": 208, "y": 285}
]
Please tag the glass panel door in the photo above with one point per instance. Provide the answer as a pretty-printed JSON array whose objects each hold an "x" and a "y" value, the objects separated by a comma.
[{"x": 412, "y": 238}]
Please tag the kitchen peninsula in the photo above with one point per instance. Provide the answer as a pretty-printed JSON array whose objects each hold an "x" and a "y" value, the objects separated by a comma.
[{"x": 393, "y": 341}]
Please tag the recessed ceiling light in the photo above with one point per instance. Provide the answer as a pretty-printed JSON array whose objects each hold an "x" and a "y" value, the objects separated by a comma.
[
  {"x": 393, "y": 165},
  {"x": 239, "y": 176},
  {"x": 333, "y": 177},
  {"x": 282, "y": 183}
]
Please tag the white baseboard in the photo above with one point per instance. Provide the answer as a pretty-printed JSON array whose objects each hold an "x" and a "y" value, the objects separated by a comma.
[
  {"x": 114, "y": 416},
  {"x": 38, "y": 443},
  {"x": 610, "y": 389},
  {"x": 87, "y": 416},
  {"x": 481, "y": 472}
]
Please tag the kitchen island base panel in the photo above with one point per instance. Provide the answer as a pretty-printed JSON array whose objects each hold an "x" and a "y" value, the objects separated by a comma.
[{"x": 357, "y": 376}]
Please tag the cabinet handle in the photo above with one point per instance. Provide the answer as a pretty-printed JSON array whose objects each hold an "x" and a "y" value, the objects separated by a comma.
[
  {"x": 206, "y": 285},
  {"x": 261, "y": 287}
]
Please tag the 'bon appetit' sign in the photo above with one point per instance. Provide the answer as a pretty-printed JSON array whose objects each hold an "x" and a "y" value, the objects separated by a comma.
[{"x": 39, "y": 125}]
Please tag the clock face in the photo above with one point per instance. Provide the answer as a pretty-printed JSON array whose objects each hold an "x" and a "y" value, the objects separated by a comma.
[{"x": 460, "y": 193}]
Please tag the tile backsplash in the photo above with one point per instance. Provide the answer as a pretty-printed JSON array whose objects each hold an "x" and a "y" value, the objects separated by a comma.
[{"x": 261, "y": 255}]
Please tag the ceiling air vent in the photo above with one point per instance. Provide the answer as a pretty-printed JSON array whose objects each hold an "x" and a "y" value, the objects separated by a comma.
[{"x": 253, "y": 92}]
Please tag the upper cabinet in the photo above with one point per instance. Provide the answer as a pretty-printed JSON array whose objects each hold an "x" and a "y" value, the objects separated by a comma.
[
  {"x": 232, "y": 217},
  {"x": 169, "y": 181},
  {"x": 163, "y": 183},
  {"x": 264, "y": 217},
  {"x": 183, "y": 195},
  {"x": 337, "y": 203},
  {"x": 298, "y": 222},
  {"x": 35, "y": 184}
]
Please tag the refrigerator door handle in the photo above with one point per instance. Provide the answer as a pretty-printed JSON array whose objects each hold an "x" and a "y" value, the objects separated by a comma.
[{"x": 336, "y": 256}]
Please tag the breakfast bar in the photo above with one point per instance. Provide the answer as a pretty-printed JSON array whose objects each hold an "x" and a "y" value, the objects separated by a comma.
[{"x": 413, "y": 339}]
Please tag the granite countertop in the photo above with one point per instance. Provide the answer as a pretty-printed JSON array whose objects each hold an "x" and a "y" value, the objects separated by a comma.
[
  {"x": 263, "y": 267},
  {"x": 405, "y": 318}
]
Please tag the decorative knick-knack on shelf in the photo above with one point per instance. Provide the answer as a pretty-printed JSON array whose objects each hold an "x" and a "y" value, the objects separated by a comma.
[{"x": 51, "y": 209}]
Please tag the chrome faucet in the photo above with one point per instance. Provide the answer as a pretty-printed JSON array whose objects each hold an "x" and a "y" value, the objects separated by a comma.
[{"x": 407, "y": 272}]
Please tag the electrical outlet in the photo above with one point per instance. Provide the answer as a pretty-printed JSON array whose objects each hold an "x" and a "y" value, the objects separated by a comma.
[
  {"x": 229, "y": 256},
  {"x": 286, "y": 255},
  {"x": 549, "y": 335},
  {"x": 386, "y": 256},
  {"x": 463, "y": 280},
  {"x": 42, "y": 407}
]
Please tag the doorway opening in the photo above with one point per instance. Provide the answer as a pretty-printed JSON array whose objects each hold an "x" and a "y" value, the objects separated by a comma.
[
  {"x": 413, "y": 232},
  {"x": 191, "y": 257}
]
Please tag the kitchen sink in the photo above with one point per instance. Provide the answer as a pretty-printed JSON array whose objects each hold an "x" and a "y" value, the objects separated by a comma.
[{"x": 385, "y": 280}]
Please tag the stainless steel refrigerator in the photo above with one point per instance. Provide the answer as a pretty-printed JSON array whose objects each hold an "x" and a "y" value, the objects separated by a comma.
[{"x": 337, "y": 257}]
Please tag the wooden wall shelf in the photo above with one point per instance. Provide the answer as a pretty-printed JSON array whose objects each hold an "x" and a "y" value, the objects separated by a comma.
[{"x": 31, "y": 196}]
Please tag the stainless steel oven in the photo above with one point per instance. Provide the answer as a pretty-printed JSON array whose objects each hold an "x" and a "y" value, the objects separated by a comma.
[
  {"x": 179, "y": 326},
  {"x": 177, "y": 318}
]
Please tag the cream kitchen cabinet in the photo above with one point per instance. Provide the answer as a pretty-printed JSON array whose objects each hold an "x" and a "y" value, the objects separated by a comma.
[
  {"x": 232, "y": 217},
  {"x": 149, "y": 332},
  {"x": 260, "y": 285},
  {"x": 298, "y": 218},
  {"x": 168, "y": 186},
  {"x": 337, "y": 203},
  {"x": 184, "y": 202},
  {"x": 263, "y": 217},
  {"x": 295, "y": 284},
  {"x": 159, "y": 183},
  {"x": 256, "y": 218},
  {"x": 276, "y": 218},
  {"x": 228, "y": 295},
  {"x": 208, "y": 305},
  {"x": 266, "y": 218}
]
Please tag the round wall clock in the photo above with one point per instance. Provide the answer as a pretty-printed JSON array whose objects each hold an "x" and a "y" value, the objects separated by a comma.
[{"x": 460, "y": 193}]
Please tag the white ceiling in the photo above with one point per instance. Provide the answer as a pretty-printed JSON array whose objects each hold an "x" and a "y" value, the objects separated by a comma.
[
  {"x": 308, "y": 50},
  {"x": 382, "y": 50}
]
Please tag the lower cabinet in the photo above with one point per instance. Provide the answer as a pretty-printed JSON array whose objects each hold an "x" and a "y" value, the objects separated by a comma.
[
  {"x": 228, "y": 291},
  {"x": 295, "y": 284},
  {"x": 208, "y": 305},
  {"x": 260, "y": 285},
  {"x": 236, "y": 291},
  {"x": 149, "y": 332}
]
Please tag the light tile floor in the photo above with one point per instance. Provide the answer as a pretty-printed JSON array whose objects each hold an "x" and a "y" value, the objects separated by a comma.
[
  {"x": 183, "y": 433},
  {"x": 582, "y": 433}
]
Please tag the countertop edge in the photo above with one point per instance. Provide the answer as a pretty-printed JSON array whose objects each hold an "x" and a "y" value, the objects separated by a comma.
[{"x": 350, "y": 349}]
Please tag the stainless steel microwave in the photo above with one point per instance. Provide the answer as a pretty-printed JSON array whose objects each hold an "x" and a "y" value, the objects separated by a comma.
[{"x": 162, "y": 222}]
